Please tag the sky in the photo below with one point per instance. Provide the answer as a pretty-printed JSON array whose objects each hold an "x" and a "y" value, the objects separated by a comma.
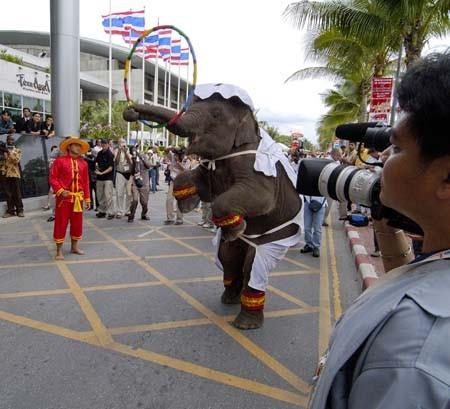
[{"x": 241, "y": 42}]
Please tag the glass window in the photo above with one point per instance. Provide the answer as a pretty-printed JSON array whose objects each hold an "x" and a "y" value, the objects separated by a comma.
[
  {"x": 36, "y": 105},
  {"x": 12, "y": 101},
  {"x": 16, "y": 114}
]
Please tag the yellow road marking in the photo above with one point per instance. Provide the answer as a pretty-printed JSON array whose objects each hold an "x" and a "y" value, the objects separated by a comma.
[
  {"x": 52, "y": 329},
  {"x": 211, "y": 374},
  {"x": 237, "y": 335},
  {"x": 171, "y": 256},
  {"x": 109, "y": 287},
  {"x": 324, "y": 313},
  {"x": 298, "y": 263},
  {"x": 44, "y": 244},
  {"x": 26, "y": 265},
  {"x": 336, "y": 281},
  {"x": 289, "y": 297},
  {"x": 202, "y": 321},
  {"x": 97, "y": 325},
  {"x": 21, "y": 294}
]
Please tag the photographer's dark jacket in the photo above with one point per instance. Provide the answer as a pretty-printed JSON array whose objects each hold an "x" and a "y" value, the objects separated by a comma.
[
  {"x": 141, "y": 167},
  {"x": 391, "y": 349}
]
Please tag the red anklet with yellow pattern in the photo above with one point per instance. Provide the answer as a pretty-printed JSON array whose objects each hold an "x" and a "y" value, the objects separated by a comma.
[
  {"x": 183, "y": 192},
  {"x": 253, "y": 300},
  {"x": 228, "y": 221}
]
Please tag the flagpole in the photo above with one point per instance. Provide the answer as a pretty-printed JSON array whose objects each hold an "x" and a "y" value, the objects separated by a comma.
[
  {"x": 165, "y": 100},
  {"x": 143, "y": 83},
  {"x": 178, "y": 92},
  {"x": 110, "y": 69},
  {"x": 130, "y": 86},
  {"x": 187, "y": 80},
  {"x": 169, "y": 84}
]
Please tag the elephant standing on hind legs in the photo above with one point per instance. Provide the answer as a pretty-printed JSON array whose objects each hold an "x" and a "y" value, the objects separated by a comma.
[{"x": 249, "y": 182}]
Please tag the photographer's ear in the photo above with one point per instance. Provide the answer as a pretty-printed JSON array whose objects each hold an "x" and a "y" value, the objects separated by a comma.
[{"x": 443, "y": 192}]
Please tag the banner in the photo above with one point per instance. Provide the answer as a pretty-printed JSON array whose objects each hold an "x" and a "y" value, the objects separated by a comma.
[{"x": 380, "y": 101}]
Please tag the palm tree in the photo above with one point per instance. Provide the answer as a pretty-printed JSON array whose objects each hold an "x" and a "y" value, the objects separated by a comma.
[{"x": 408, "y": 22}]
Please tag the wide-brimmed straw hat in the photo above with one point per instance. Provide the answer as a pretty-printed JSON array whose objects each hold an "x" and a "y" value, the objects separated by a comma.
[{"x": 74, "y": 139}]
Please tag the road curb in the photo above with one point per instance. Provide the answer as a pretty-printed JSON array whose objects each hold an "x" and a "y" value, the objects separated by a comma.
[{"x": 362, "y": 260}]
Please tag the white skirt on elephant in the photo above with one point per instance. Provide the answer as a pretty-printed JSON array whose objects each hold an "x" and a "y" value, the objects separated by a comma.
[{"x": 267, "y": 255}]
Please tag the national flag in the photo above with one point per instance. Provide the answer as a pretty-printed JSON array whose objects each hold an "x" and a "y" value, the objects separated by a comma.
[
  {"x": 183, "y": 59},
  {"x": 121, "y": 22},
  {"x": 175, "y": 50},
  {"x": 164, "y": 40},
  {"x": 150, "y": 52}
]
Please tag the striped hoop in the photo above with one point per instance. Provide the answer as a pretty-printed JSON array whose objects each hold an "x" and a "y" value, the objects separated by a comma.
[{"x": 128, "y": 67}]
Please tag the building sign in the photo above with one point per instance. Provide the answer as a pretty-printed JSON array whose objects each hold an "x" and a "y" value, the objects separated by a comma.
[
  {"x": 20, "y": 80},
  {"x": 33, "y": 85},
  {"x": 380, "y": 101}
]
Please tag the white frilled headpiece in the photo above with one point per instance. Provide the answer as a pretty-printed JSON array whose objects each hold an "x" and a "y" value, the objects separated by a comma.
[{"x": 227, "y": 91}]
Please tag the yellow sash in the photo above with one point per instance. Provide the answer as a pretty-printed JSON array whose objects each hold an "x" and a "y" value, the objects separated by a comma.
[{"x": 77, "y": 200}]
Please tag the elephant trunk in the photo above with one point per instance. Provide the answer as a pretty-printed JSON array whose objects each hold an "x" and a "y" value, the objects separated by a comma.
[{"x": 186, "y": 126}]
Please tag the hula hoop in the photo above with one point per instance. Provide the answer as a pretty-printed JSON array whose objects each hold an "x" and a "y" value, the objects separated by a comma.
[{"x": 128, "y": 67}]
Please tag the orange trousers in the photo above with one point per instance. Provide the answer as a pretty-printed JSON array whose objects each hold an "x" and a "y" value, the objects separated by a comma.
[{"x": 63, "y": 214}]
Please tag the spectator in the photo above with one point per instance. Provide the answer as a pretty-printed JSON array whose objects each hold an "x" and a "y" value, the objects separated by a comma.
[
  {"x": 105, "y": 176},
  {"x": 314, "y": 212},
  {"x": 154, "y": 163},
  {"x": 139, "y": 183},
  {"x": 35, "y": 125},
  {"x": 90, "y": 159},
  {"x": 11, "y": 172},
  {"x": 98, "y": 146},
  {"x": 6, "y": 123},
  {"x": 48, "y": 127},
  {"x": 122, "y": 165},
  {"x": 175, "y": 166},
  {"x": 335, "y": 155},
  {"x": 23, "y": 124}
]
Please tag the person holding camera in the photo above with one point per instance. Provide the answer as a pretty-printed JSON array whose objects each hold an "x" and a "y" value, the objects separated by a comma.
[
  {"x": 140, "y": 183},
  {"x": 123, "y": 163},
  {"x": 175, "y": 166},
  {"x": 391, "y": 348},
  {"x": 11, "y": 178}
]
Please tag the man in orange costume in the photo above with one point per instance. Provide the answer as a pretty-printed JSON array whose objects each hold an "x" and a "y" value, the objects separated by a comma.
[{"x": 69, "y": 180}]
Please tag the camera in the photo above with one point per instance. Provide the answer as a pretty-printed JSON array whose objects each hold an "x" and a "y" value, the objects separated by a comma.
[{"x": 374, "y": 135}]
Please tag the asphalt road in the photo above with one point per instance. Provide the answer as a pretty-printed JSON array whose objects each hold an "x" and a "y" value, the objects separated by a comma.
[{"x": 137, "y": 322}]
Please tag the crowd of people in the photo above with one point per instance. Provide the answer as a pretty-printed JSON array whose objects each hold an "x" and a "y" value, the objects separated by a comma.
[{"x": 28, "y": 123}]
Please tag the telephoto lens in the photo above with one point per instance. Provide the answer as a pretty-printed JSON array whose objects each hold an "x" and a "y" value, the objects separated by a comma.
[{"x": 322, "y": 177}]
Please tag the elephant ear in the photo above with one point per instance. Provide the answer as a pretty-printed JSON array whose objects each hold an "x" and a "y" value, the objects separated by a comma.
[{"x": 247, "y": 130}]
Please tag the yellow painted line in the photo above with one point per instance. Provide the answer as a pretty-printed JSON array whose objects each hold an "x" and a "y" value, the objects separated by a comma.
[
  {"x": 34, "y": 293},
  {"x": 324, "y": 313},
  {"x": 336, "y": 281},
  {"x": 289, "y": 297},
  {"x": 201, "y": 321},
  {"x": 237, "y": 335},
  {"x": 122, "y": 286},
  {"x": 211, "y": 374},
  {"x": 160, "y": 326},
  {"x": 26, "y": 265},
  {"x": 97, "y": 260},
  {"x": 163, "y": 238},
  {"x": 52, "y": 329},
  {"x": 171, "y": 256},
  {"x": 44, "y": 244},
  {"x": 298, "y": 263},
  {"x": 293, "y": 273},
  {"x": 100, "y": 330}
]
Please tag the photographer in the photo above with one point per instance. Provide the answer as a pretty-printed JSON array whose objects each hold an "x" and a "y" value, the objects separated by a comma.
[
  {"x": 175, "y": 158},
  {"x": 11, "y": 179},
  {"x": 139, "y": 183},
  {"x": 122, "y": 162},
  {"x": 391, "y": 348}
]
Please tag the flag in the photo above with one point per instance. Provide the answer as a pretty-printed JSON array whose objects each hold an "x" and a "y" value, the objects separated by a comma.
[
  {"x": 122, "y": 22},
  {"x": 164, "y": 40},
  {"x": 150, "y": 52},
  {"x": 183, "y": 58}
]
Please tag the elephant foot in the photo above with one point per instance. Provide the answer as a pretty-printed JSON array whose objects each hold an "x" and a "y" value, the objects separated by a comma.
[
  {"x": 249, "y": 319},
  {"x": 231, "y": 296}
]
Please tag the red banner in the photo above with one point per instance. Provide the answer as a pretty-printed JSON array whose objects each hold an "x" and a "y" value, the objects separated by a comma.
[{"x": 380, "y": 102}]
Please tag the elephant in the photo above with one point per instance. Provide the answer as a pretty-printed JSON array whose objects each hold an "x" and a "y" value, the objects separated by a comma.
[{"x": 256, "y": 211}]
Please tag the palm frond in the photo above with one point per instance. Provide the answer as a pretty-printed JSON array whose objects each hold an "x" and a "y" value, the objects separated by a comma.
[{"x": 313, "y": 73}]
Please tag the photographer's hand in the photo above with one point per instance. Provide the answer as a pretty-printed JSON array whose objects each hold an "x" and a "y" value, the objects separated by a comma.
[{"x": 394, "y": 245}]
